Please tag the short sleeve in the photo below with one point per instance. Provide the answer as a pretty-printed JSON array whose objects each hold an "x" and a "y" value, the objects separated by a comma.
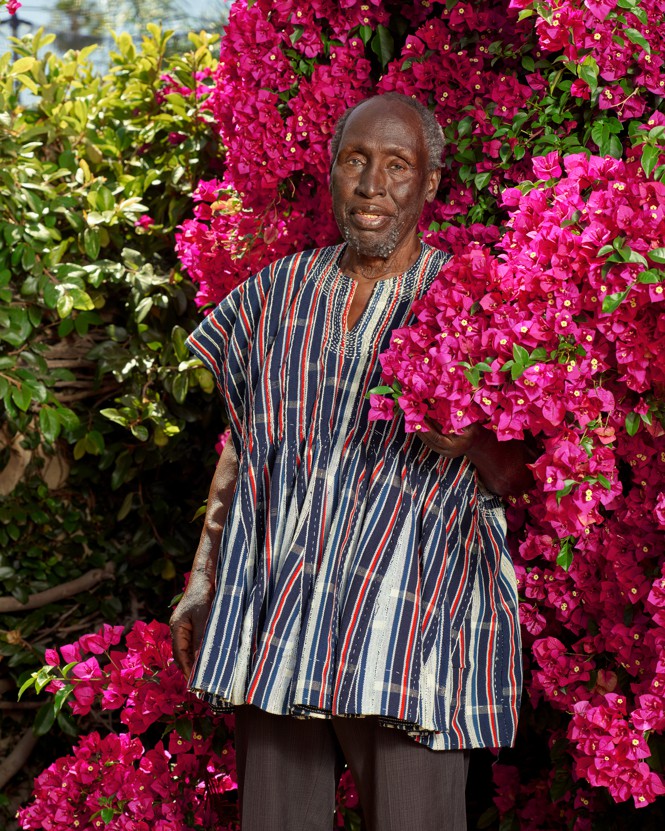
[{"x": 224, "y": 341}]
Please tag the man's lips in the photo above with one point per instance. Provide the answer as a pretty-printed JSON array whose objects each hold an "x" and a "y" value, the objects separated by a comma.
[{"x": 369, "y": 219}]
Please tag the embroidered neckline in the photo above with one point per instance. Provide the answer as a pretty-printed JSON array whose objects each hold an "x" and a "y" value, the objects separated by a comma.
[{"x": 339, "y": 287}]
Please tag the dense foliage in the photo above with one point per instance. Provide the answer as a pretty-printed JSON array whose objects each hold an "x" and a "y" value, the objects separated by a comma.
[
  {"x": 103, "y": 414},
  {"x": 552, "y": 201}
]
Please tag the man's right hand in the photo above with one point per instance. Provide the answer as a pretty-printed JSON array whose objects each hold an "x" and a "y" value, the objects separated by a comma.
[
  {"x": 188, "y": 624},
  {"x": 189, "y": 619}
]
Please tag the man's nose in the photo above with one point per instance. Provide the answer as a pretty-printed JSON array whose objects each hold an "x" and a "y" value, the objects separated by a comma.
[{"x": 372, "y": 180}]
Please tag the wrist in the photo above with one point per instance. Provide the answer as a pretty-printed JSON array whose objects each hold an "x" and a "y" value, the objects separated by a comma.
[{"x": 200, "y": 580}]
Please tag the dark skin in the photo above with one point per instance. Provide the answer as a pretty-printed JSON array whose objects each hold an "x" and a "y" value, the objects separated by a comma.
[
  {"x": 380, "y": 181},
  {"x": 189, "y": 618}
]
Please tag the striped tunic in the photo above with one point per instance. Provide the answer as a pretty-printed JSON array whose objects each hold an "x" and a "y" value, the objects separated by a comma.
[{"x": 359, "y": 573}]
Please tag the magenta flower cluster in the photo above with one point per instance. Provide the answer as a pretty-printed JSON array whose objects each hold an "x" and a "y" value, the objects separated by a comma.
[
  {"x": 180, "y": 776},
  {"x": 601, "y": 36},
  {"x": 556, "y": 332}
]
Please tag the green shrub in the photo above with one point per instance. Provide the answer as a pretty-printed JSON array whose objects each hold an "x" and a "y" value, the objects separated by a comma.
[{"x": 104, "y": 416}]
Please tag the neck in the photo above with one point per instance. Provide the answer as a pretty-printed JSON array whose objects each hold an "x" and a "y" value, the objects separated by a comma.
[{"x": 370, "y": 269}]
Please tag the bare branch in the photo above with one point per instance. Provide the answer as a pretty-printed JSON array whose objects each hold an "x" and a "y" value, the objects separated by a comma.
[
  {"x": 62, "y": 592},
  {"x": 17, "y": 758}
]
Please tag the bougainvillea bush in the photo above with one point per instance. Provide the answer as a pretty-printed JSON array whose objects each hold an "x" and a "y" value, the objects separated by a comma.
[
  {"x": 546, "y": 323},
  {"x": 167, "y": 765}
]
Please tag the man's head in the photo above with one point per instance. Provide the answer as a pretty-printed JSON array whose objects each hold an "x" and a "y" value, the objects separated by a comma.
[
  {"x": 386, "y": 165},
  {"x": 434, "y": 138}
]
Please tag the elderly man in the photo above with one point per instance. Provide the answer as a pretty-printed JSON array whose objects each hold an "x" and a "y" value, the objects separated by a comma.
[{"x": 352, "y": 596}]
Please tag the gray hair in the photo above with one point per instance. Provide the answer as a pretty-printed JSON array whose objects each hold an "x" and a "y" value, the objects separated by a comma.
[{"x": 432, "y": 132}]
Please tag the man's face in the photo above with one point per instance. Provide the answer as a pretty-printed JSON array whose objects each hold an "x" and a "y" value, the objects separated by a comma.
[{"x": 379, "y": 179}]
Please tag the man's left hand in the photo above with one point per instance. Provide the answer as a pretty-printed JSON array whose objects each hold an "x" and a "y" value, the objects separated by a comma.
[
  {"x": 501, "y": 466},
  {"x": 450, "y": 445}
]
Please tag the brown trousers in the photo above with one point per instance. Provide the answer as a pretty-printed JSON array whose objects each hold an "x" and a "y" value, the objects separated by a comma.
[{"x": 288, "y": 770}]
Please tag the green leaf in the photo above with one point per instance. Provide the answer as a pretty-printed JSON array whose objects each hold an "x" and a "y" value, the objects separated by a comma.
[
  {"x": 638, "y": 39},
  {"x": 651, "y": 276},
  {"x": 180, "y": 387},
  {"x": 43, "y": 678},
  {"x": 491, "y": 815},
  {"x": 107, "y": 815},
  {"x": 92, "y": 242},
  {"x": 81, "y": 300},
  {"x": 94, "y": 443},
  {"x": 66, "y": 724},
  {"x": 630, "y": 256},
  {"x": 143, "y": 309},
  {"x": 105, "y": 200},
  {"x": 600, "y": 132},
  {"x": 473, "y": 376},
  {"x": 588, "y": 72},
  {"x": 633, "y": 422},
  {"x": 60, "y": 697},
  {"x": 604, "y": 481},
  {"x": 650, "y": 156},
  {"x": 296, "y": 34},
  {"x": 65, "y": 305},
  {"x": 383, "y": 390},
  {"x": 464, "y": 126},
  {"x": 178, "y": 338},
  {"x": 30, "y": 682},
  {"x": 603, "y": 133},
  {"x": 383, "y": 45},
  {"x": 365, "y": 33},
  {"x": 115, "y": 415},
  {"x": 481, "y": 180},
  {"x": 183, "y": 726},
  {"x": 140, "y": 431},
  {"x": 44, "y": 719},
  {"x": 613, "y": 301},
  {"x": 614, "y": 147},
  {"x": 200, "y": 511},
  {"x": 567, "y": 489},
  {"x": 22, "y": 397},
  {"x": 18, "y": 328},
  {"x": 565, "y": 555},
  {"x": 205, "y": 379},
  {"x": 68, "y": 668},
  {"x": 68, "y": 418},
  {"x": 23, "y": 65},
  {"x": 520, "y": 355},
  {"x": 126, "y": 506},
  {"x": 49, "y": 424},
  {"x": 657, "y": 255}
]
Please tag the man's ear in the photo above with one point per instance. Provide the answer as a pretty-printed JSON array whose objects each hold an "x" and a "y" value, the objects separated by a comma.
[{"x": 433, "y": 179}]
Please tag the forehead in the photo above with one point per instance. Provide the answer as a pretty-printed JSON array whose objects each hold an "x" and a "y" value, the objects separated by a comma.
[{"x": 385, "y": 124}]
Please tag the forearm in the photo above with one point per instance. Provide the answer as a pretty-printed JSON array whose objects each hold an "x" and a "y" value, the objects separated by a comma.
[
  {"x": 502, "y": 465},
  {"x": 220, "y": 497}
]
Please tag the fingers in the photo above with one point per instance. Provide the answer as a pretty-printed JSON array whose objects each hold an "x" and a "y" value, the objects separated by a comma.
[
  {"x": 444, "y": 445},
  {"x": 183, "y": 652}
]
